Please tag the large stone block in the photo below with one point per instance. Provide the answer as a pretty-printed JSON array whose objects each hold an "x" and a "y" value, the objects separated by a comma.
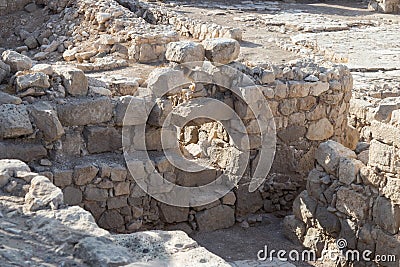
[
  {"x": 16, "y": 61},
  {"x": 35, "y": 80},
  {"x": 388, "y": 245},
  {"x": 85, "y": 111},
  {"x": 173, "y": 214},
  {"x": 215, "y": 218},
  {"x": 184, "y": 51},
  {"x": 84, "y": 174},
  {"x": 387, "y": 215},
  {"x": 392, "y": 190},
  {"x": 102, "y": 139},
  {"x": 43, "y": 194},
  {"x": 74, "y": 80},
  {"x": 4, "y": 70},
  {"x": 14, "y": 121},
  {"x": 352, "y": 203},
  {"x": 247, "y": 202},
  {"x": 348, "y": 170},
  {"x": 320, "y": 130},
  {"x": 304, "y": 207},
  {"x": 72, "y": 195},
  {"x": 329, "y": 154},
  {"x": 221, "y": 50},
  {"x": 46, "y": 120},
  {"x": 22, "y": 151},
  {"x": 381, "y": 155}
]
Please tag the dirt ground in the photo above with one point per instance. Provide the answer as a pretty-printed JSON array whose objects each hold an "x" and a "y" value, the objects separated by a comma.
[{"x": 237, "y": 243}]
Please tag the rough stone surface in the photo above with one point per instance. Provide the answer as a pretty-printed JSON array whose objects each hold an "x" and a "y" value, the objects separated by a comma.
[
  {"x": 16, "y": 61},
  {"x": 215, "y": 218},
  {"x": 14, "y": 121},
  {"x": 221, "y": 50},
  {"x": 182, "y": 52},
  {"x": 74, "y": 80}
]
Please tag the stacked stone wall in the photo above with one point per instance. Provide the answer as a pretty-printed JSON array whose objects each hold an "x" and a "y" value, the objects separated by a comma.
[
  {"x": 69, "y": 129},
  {"x": 354, "y": 195}
]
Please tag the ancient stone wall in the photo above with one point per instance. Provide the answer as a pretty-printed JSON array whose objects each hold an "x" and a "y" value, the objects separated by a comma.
[
  {"x": 10, "y": 6},
  {"x": 69, "y": 128},
  {"x": 355, "y": 195}
]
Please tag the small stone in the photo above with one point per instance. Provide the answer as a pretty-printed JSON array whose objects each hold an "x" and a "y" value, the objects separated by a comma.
[{"x": 45, "y": 162}]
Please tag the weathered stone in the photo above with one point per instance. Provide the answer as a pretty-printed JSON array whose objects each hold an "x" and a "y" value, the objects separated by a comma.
[
  {"x": 221, "y": 50},
  {"x": 320, "y": 130},
  {"x": 102, "y": 252},
  {"x": 348, "y": 170},
  {"x": 387, "y": 215},
  {"x": 4, "y": 70},
  {"x": 44, "y": 68},
  {"x": 122, "y": 188},
  {"x": 388, "y": 245},
  {"x": 84, "y": 174},
  {"x": 62, "y": 178},
  {"x": 247, "y": 202},
  {"x": 173, "y": 214},
  {"x": 293, "y": 228},
  {"x": 74, "y": 80},
  {"x": 72, "y": 195},
  {"x": 292, "y": 133},
  {"x": 85, "y": 111},
  {"x": 318, "y": 88},
  {"x": 14, "y": 121},
  {"x": 184, "y": 51},
  {"x": 304, "y": 207},
  {"x": 229, "y": 199},
  {"x": 22, "y": 151},
  {"x": 215, "y": 218},
  {"x": 352, "y": 203},
  {"x": 166, "y": 81},
  {"x": 46, "y": 120},
  {"x": 37, "y": 80},
  {"x": 118, "y": 173},
  {"x": 9, "y": 99},
  {"x": 69, "y": 54},
  {"x": 117, "y": 202},
  {"x": 392, "y": 190},
  {"x": 31, "y": 42},
  {"x": 111, "y": 219},
  {"x": 328, "y": 221},
  {"x": 16, "y": 61},
  {"x": 381, "y": 155},
  {"x": 96, "y": 194},
  {"x": 329, "y": 154},
  {"x": 102, "y": 139},
  {"x": 43, "y": 194}
]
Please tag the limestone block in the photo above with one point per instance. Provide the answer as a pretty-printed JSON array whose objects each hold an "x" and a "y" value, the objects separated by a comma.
[
  {"x": 215, "y": 218},
  {"x": 184, "y": 51},
  {"x": 74, "y": 80},
  {"x": 221, "y": 50},
  {"x": 85, "y": 111}
]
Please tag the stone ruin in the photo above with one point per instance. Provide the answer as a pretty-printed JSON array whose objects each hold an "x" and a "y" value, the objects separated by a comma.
[{"x": 71, "y": 128}]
